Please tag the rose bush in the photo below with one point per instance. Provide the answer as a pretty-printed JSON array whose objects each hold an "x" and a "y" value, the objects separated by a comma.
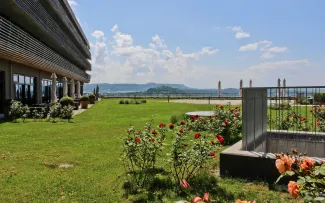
[
  {"x": 141, "y": 149},
  {"x": 190, "y": 151},
  {"x": 311, "y": 176},
  {"x": 227, "y": 123}
]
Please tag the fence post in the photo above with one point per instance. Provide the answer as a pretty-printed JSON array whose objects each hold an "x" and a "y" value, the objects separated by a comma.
[
  {"x": 209, "y": 100},
  {"x": 168, "y": 98}
]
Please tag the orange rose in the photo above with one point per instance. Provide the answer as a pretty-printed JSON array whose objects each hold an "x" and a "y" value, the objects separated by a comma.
[
  {"x": 307, "y": 164},
  {"x": 284, "y": 163},
  {"x": 293, "y": 189}
]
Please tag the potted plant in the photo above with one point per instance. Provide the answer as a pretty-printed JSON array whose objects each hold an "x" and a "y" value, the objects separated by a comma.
[
  {"x": 66, "y": 101},
  {"x": 92, "y": 99},
  {"x": 84, "y": 101}
]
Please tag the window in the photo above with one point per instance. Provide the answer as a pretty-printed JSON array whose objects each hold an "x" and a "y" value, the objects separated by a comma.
[{"x": 24, "y": 88}]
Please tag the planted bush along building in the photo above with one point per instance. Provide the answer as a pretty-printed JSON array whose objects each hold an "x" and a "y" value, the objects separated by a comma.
[{"x": 37, "y": 39}]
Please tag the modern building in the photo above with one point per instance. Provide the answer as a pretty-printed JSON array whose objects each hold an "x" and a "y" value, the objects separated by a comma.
[{"x": 40, "y": 39}]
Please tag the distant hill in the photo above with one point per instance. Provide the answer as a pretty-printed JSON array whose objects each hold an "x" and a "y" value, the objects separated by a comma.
[
  {"x": 164, "y": 90},
  {"x": 154, "y": 88},
  {"x": 112, "y": 88}
]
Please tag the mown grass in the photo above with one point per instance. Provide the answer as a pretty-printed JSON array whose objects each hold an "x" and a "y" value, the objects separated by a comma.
[{"x": 31, "y": 151}]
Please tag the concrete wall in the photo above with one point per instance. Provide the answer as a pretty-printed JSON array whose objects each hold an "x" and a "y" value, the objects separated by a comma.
[
  {"x": 254, "y": 107},
  {"x": 304, "y": 142}
]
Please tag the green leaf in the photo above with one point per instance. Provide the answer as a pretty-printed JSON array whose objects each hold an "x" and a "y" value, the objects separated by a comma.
[
  {"x": 322, "y": 170},
  {"x": 319, "y": 199},
  {"x": 279, "y": 178},
  {"x": 301, "y": 181},
  {"x": 290, "y": 173}
]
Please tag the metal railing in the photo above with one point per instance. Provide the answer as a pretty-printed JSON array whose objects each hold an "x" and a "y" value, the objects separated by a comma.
[
  {"x": 276, "y": 119},
  {"x": 139, "y": 95}
]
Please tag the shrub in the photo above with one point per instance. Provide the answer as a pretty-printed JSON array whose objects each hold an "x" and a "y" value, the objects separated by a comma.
[
  {"x": 15, "y": 109},
  {"x": 143, "y": 101},
  {"x": 227, "y": 123},
  {"x": 55, "y": 112},
  {"x": 137, "y": 102},
  {"x": 311, "y": 176},
  {"x": 319, "y": 98},
  {"x": 92, "y": 96},
  {"x": 121, "y": 102},
  {"x": 25, "y": 112},
  {"x": 282, "y": 106},
  {"x": 141, "y": 149},
  {"x": 84, "y": 98},
  {"x": 66, "y": 112},
  {"x": 65, "y": 101},
  {"x": 174, "y": 119},
  {"x": 126, "y": 102},
  {"x": 190, "y": 152}
]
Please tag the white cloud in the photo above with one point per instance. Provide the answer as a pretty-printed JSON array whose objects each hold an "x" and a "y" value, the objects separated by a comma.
[
  {"x": 239, "y": 32},
  {"x": 267, "y": 51},
  {"x": 158, "y": 42},
  {"x": 119, "y": 60},
  {"x": 240, "y": 35},
  {"x": 97, "y": 34},
  {"x": 249, "y": 47},
  {"x": 279, "y": 65},
  {"x": 72, "y": 3},
  {"x": 277, "y": 49}
]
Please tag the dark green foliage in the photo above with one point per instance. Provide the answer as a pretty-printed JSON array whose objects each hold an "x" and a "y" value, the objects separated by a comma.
[
  {"x": 174, "y": 119},
  {"x": 84, "y": 98},
  {"x": 319, "y": 98},
  {"x": 143, "y": 101},
  {"x": 121, "y": 101},
  {"x": 65, "y": 101},
  {"x": 92, "y": 96},
  {"x": 126, "y": 102}
]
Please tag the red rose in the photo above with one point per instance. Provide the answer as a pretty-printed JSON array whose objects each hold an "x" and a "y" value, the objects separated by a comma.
[
  {"x": 196, "y": 116},
  {"x": 192, "y": 117},
  {"x": 181, "y": 130},
  {"x": 216, "y": 116},
  {"x": 171, "y": 126},
  {"x": 162, "y": 125},
  {"x": 152, "y": 139},
  {"x": 210, "y": 117},
  {"x": 213, "y": 154},
  {"x": 197, "y": 135},
  {"x": 226, "y": 122},
  {"x": 220, "y": 138},
  {"x": 182, "y": 123},
  {"x": 231, "y": 111},
  {"x": 318, "y": 123},
  {"x": 154, "y": 132},
  {"x": 237, "y": 107},
  {"x": 221, "y": 107},
  {"x": 185, "y": 145},
  {"x": 236, "y": 115},
  {"x": 137, "y": 140}
]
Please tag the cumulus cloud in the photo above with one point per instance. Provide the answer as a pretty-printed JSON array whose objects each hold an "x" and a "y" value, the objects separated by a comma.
[
  {"x": 239, "y": 32},
  {"x": 97, "y": 34},
  {"x": 120, "y": 60},
  {"x": 267, "y": 52}
]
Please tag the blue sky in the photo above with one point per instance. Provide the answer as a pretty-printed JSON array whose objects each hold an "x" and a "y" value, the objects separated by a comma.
[{"x": 198, "y": 43}]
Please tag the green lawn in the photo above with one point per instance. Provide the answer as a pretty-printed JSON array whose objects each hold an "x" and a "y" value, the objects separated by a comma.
[{"x": 91, "y": 143}]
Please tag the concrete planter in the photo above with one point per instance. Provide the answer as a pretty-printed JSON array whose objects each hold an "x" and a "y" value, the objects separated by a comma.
[{"x": 84, "y": 104}]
